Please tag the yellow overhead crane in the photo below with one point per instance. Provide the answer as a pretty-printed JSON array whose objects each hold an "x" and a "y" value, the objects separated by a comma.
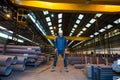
[
  {"x": 87, "y": 6},
  {"x": 103, "y": 6},
  {"x": 69, "y": 38}
]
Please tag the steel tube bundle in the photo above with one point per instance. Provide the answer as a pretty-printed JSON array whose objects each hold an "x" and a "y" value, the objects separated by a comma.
[
  {"x": 28, "y": 57},
  {"x": 14, "y": 58},
  {"x": 18, "y": 67},
  {"x": 5, "y": 70},
  {"x": 74, "y": 60},
  {"x": 25, "y": 55},
  {"x": 5, "y": 60},
  {"x": 20, "y": 51},
  {"x": 22, "y": 47},
  {"x": 21, "y": 60}
]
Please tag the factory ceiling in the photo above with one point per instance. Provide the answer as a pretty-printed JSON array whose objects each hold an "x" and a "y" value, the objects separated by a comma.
[{"x": 76, "y": 18}]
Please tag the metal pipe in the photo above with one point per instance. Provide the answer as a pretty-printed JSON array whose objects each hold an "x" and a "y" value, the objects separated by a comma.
[
  {"x": 14, "y": 58},
  {"x": 5, "y": 60},
  {"x": 5, "y": 70},
  {"x": 21, "y": 60},
  {"x": 18, "y": 67}
]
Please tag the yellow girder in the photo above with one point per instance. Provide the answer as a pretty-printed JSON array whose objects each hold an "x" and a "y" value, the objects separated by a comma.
[
  {"x": 71, "y": 5},
  {"x": 69, "y": 38}
]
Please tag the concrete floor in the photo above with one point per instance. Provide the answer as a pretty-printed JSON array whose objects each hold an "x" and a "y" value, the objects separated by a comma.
[{"x": 44, "y": 73}]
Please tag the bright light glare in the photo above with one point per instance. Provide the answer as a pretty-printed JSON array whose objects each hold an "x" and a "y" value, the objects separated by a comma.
[
  {"x": 88, "y": 25},
  {"x": 92, "y": 21},
  {"x": 80, "y": 16},
  {"x": 78, "y": 21},
  {"x": 60, "y": 15},
  {"x": 98, "y": 15}
]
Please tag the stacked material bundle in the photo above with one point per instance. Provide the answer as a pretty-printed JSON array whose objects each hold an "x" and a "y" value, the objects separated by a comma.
[
  {"x": 27, "y": 55},
  {"x": 79, "y": 66},
  {"x": 5, "y": 64},
  {"x": 20, "y": 64},
  {"x": 5, "y": 70},
  {"x": 100, "y": 72},
  {"x": 33, "y": 55},
  {"x": 89, "y": 69},
  {"x": 74, "y": 60},
  {"x": 15, "y": 49}
]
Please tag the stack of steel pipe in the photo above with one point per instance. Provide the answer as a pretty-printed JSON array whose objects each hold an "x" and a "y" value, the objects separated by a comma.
[
  {"x": 31, "y": 53},
  {"x": 15, "y": 49},
  {"x": 74, "y": 60},
  {"x": 20, "y": 64},
  {"x": 5, "y": 64}
]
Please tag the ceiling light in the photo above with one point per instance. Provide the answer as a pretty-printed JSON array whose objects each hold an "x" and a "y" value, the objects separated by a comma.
[
  {"x": 84, "y": 29},
  {"x": 50, "y": 42},
  {"x": 50, "y": 27},
  {"x": 19, "y": 40},
  {"x": 2, "y": 28},
  {"x": 8, "y": 15},
  {"x": 47, "y": 19},
  {"x": 101, "y": 30},
  {"x": 10, "y": 32},
  {"x": 92, "y": 21},
  {"x": 75, "y": 26},
  {"x": 70, "y": 34},
  {"x": 109, "y": 26},
  {"x": 88, "y": 25},
  {"x": 32, "y": 18},
  {"x": 80, "y": 16},
  {"x": 60, "y": 15},
  {"x": 60, "y": 20},
  {"x": 73, "y": 29},
  {"x": 98, "y": 15},
  {"x": 52, "y": 15},
  {"x": 49, "y": 23},
  {"x": 60, "y": 29},
  {"x": 96, "y": 33},
  {"x": 117, "y": 21},
  {"x": 78, "y": 35},
  {"x": 78, "y": 21},
  {"x": 45, "y": 12},
  {"x": 77, "y": 44},
  {"x": 91, "y": 36},
  {"x": 54, "y": 27},
  {"x": 3, "y": 35},
  {"x": 70, "y": 43},
  {"x": 52, "y": 31},
  {"x": 81, "y": 32},
  {"x": 59, "y": 25},
  {"x": 10, "y": 37}
]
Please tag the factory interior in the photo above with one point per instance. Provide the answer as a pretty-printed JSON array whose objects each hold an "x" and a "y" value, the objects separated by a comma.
[{"x": 29, "y": 32}]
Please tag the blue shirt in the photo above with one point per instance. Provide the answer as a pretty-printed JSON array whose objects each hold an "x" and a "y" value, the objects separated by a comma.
[{"x": 60, "y": 43}]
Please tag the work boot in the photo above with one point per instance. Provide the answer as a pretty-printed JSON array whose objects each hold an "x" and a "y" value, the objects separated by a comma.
[
  {"x": 53, "y": 69},
  {"x": 66, "y": 69}
]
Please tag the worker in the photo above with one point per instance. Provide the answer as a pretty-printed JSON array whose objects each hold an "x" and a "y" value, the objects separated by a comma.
[{"x": 60, "y": 49}]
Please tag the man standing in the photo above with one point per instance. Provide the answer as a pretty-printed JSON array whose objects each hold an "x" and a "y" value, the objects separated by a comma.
[{"x": 60, "y": 48}]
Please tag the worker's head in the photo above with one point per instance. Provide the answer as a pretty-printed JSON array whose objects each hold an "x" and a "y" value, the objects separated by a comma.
[{"x": 60, "y": 32}]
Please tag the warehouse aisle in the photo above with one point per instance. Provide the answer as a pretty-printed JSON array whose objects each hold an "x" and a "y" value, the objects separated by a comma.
[{"x": 44, "y": 73}]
